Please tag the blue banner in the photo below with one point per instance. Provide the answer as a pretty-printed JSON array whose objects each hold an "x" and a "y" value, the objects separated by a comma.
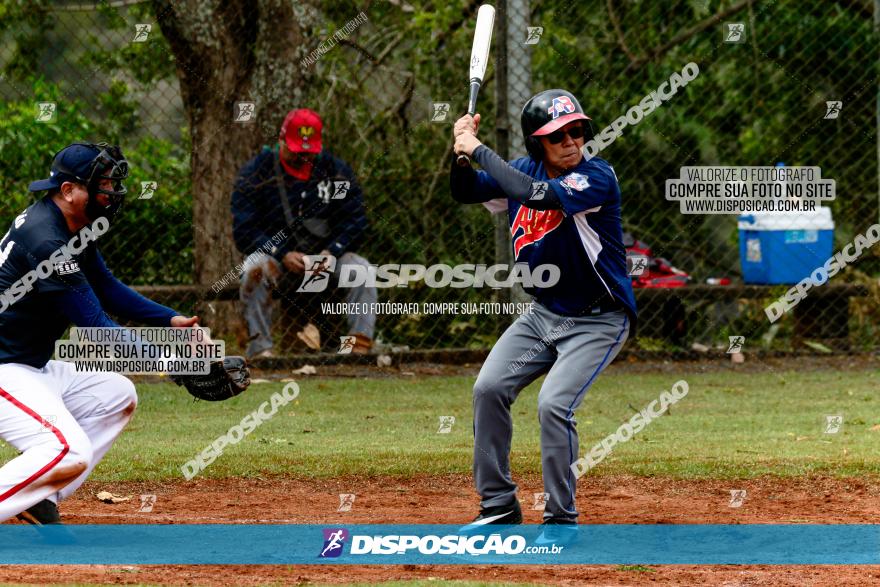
[{"x": 351, "y": 544}]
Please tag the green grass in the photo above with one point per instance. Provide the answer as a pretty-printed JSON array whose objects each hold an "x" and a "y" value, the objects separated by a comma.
[
  {"x": 635, "y": 569},
  {"x": 730, "y": 425}
]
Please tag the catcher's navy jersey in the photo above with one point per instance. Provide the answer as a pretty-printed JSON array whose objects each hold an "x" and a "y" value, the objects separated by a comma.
[
  {"x": 30, "y": 325},
  {"x": 35, "y": 313},
  {"x": 584, "y": 239}
]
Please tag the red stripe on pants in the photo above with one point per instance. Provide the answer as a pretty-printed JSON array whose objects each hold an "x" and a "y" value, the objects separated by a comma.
[{"x": 44, "y": 423}]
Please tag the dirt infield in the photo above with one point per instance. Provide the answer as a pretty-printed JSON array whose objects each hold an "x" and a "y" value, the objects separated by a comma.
[{"x": 450, "y": 500}]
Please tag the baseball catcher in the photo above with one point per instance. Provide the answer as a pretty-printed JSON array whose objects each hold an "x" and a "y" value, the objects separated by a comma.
[
  {"x": 563, "y": 209},
  {"x": 52, "y": 275}
]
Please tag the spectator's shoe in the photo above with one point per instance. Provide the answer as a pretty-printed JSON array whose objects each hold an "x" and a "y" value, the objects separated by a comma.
[
  {"x": 263, "y": 354},
  {"x": 362, "y": 344},
  {"x": 310, "y": 336},
  {"x": 558, "y": 531},
  {"x": 40, "y": 514},
  {"x": 498, "y": 515}
]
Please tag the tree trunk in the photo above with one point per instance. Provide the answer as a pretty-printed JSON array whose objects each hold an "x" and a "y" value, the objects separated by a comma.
[{"x": 229, "y": 52}]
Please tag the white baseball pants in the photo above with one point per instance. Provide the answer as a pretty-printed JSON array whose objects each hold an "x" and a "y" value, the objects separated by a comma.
[{"x": 63, "y": 422}]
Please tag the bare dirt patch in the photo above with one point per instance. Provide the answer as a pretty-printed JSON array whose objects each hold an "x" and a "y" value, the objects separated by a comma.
[{"x": 451, "y": 500}]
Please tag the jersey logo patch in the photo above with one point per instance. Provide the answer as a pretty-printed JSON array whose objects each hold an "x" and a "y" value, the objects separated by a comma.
[
  {"x": 532, "y": 226},
  {"x": 66, "y": 267},
  {"x": 560, "y": 105},
  {"x": 576, "y": 181}
]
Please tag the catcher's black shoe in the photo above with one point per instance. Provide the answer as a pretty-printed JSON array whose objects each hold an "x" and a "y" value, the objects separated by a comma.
[
  {"x": 40, "y": 514},
  {"x": 47, "y": 522},
  {"x": 496, "y": 515}
]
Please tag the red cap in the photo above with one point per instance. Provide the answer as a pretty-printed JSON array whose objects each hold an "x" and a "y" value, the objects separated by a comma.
[{"x": 301, "y": 131}]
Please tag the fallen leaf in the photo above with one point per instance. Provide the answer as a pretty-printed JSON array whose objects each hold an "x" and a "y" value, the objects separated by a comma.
[
  {"x": 108, "y": 497},
  {"x": 818, "y": 346},
  {"x": 311, "y": 336}
]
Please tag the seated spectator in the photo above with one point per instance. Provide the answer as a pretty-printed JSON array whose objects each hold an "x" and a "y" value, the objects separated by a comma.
[{"x": 290, "y": 204}]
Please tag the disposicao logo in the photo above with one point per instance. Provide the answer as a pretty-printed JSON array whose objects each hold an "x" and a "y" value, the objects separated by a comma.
[{"x": 334, "y": 540}]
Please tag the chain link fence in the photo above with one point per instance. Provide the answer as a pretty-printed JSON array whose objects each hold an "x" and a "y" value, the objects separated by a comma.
[
  {"x": 769, "y": 76},
  {"x": 389, "y": 88}
]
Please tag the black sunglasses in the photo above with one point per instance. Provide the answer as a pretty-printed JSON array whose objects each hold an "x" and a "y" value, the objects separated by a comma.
[{"x": 557, "y": 136}]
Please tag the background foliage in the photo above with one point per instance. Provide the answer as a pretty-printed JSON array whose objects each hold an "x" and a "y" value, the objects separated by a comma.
[{"x": 755, "y": 103}]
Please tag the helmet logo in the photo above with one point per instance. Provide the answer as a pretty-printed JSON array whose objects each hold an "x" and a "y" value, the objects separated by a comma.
[{"x": 561, "y": 104}]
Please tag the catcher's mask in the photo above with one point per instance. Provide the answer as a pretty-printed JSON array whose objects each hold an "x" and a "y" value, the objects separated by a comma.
[
  {"x": 547, "y": 112},
  {"x": 89, "y": 164}
]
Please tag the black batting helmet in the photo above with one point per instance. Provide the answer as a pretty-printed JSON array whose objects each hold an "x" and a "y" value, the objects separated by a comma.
[{"x": 549, "y": 111}]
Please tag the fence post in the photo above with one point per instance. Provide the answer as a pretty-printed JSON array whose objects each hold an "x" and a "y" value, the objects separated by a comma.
[
  {"x": 514, "y": 81},
  {"x": 877, "y": 107},
  {"x": 502, "y": 144},
  {"x": 519, "y": 71}
]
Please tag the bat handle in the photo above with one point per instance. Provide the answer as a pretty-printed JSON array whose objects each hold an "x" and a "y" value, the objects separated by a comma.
[{"x": 464, "y": 160}]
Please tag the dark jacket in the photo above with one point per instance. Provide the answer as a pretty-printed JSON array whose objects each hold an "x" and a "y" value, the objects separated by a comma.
[{"x": 325, "y": 212}]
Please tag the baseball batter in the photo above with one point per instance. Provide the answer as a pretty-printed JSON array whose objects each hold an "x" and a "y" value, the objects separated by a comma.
[
  {"x": 62, "y": 421},
  {"x": 565, "y": 210}
]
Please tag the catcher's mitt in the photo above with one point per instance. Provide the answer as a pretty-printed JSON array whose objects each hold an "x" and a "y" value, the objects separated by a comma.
[{"x": 227, "y": 379}]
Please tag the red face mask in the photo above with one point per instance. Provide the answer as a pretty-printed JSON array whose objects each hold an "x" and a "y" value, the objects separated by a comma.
[{"x": 303, "y": 172}]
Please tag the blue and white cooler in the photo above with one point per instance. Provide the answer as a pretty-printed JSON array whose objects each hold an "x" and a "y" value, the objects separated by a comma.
[{"x": 784, "y": 247}]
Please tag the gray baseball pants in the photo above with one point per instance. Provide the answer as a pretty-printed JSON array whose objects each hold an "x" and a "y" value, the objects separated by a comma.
[
  {"x": 572, "y": 351},
  {"x": 256, "y": 296}
]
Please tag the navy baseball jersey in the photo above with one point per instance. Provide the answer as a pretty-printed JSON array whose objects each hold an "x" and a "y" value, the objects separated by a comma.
[
  {"x": 583, "y": 236},
  {"x": 35, "y": 313}
]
